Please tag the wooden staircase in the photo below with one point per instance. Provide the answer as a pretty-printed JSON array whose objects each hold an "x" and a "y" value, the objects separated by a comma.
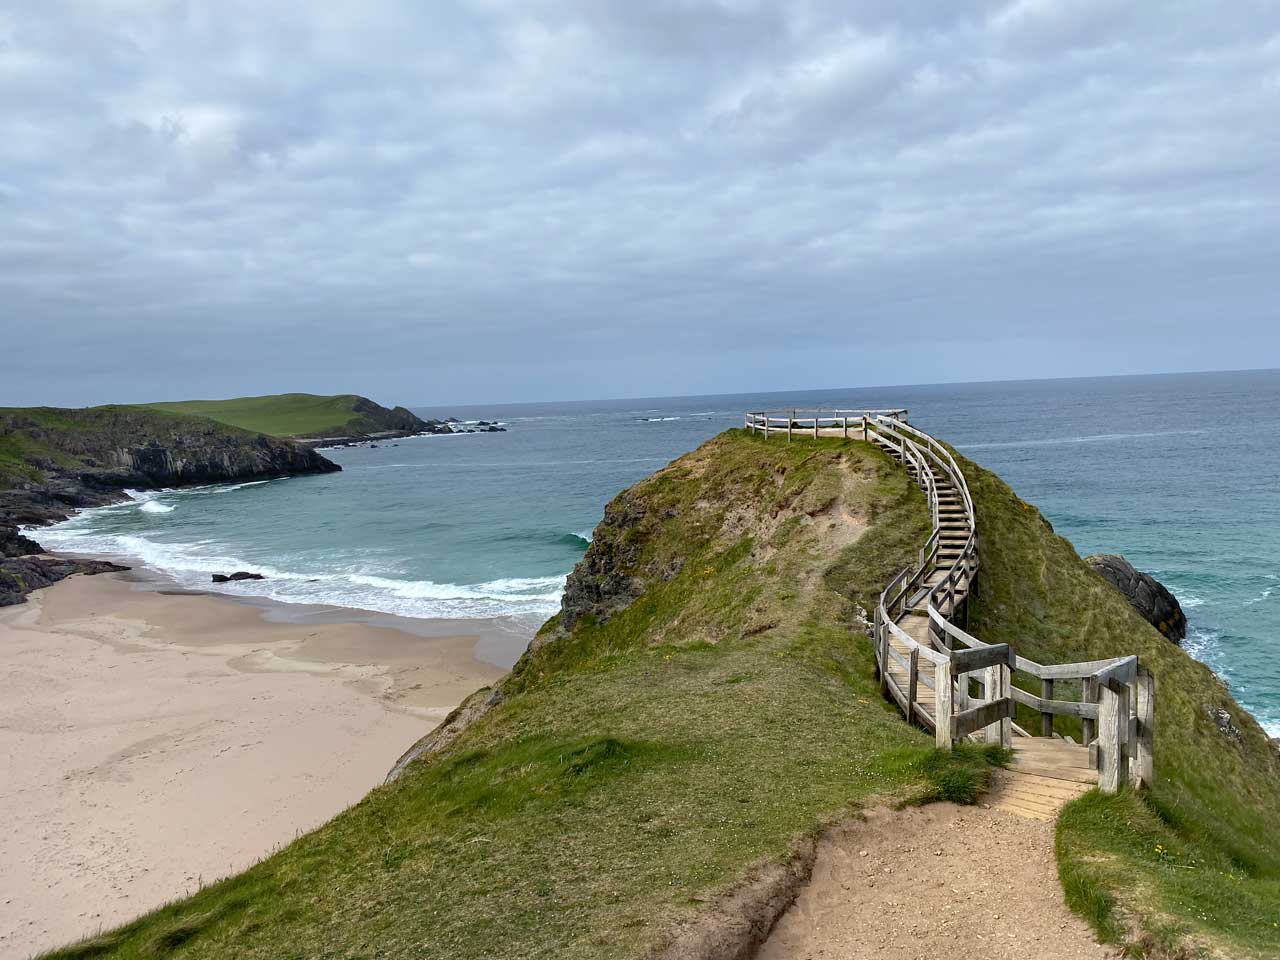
[{"x": 952, "y": 683}]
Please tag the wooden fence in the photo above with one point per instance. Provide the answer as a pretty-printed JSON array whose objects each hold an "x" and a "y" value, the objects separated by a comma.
[{"x": 948, "y": 680}]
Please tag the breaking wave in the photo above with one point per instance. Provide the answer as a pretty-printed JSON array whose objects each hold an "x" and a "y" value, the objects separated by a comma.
[{"x": 191, "y": 565}]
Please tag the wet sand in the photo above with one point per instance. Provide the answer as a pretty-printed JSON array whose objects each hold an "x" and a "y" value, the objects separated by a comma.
[{"x": 154, "y": 740}]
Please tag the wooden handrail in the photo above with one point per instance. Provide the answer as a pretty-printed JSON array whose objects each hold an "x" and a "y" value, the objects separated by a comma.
[{"x": 1118, "y": 692}]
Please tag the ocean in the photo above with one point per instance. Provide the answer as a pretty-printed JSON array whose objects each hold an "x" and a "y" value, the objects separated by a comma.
[{"x": 1177, "y": 472}]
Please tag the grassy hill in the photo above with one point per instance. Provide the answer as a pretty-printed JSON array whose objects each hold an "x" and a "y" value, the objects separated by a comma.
[
  {"x": 633, "y": 768},
  {"x": 38, "y": 441},
  {"x": 708, "y": 698},
  {"x": 301, "y": 414}
]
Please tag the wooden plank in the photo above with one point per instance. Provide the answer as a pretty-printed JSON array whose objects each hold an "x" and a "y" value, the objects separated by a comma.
[
  {"x": 1113, "y": 715},
  {"x": 1047, "y": 788},
  {"x": 913, "y": 683},
  {"x": 965, "y": 723},
  {"x": 1066, "y": 671},
  {"x": 1065, "y": 708},
  {"x": 965, "y": 661},
  {"x": 1146, "y": 688},
  {"x": 1089, "y": 725},
  {"x": 1012, "y": 790},
  {"x": 1012, "y": 807},
  {"x": 895, "y": 691},
  {"x": 1121, "y": 673},
  {"x": 1046, "y": 716},
  {"x": 1080, "y": 761},
  {"x": 1075, "y": 774},
  {"x": 942, "y": 705}
]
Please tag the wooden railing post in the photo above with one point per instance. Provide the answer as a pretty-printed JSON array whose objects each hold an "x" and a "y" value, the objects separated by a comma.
[
  {"x": 1113, "y": 723},
  {"x": 1089, "y": 726},
  {"x": 1145, "y": 774},
  {"x": 790, "y": 420},
  {"x": 865, "y": 438},
  {"x": 882, "y": 655},
  {"x": 766, "y": 425},
  {"x": 942, "y": 705},
  {"x": 1046, "y": 718},
  {"x": 990, "y": 692},
  {"x": 844, "y": 422},
  {"x": 913, "y": 671},
  {"x": 1006, "y": 693}
]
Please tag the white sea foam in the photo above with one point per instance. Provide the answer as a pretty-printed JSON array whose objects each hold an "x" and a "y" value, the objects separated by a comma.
[
  {"x": 587, "y": 535},
  {"x": 241, "y": 486},
  {"x": 191, "y": 565},
  {"x": 1201, "y": 642},
  {"x": 1265, "y": 595},
  {"x": 1091, "y": 438},
  {"x": 155, "y": 506}
]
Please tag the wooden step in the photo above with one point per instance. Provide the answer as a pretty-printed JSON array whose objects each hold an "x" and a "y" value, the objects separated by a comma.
[{"x": 1055, "y": 772}]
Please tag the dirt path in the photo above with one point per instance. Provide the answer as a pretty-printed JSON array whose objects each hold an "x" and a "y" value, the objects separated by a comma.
[{"x": 936, "y": 881}]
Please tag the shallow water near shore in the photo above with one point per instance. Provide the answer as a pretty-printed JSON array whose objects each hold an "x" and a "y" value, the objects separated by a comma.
[{"x": 1178, "y": 472}]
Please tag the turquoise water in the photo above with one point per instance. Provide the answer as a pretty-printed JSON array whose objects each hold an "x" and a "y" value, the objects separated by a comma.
[{"x": 1179, "y": 473}]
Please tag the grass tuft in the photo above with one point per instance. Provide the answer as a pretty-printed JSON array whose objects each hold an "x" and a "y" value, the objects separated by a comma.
[{"x": 960, "y": 775}]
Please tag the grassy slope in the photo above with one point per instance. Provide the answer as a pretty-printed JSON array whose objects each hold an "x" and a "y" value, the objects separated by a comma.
[
  {"x": 1196, "y": 861},
  {"x": 281, "y": 415},
  {"x": 35, "y": 438},
  {"x": 636, "y": 767}
]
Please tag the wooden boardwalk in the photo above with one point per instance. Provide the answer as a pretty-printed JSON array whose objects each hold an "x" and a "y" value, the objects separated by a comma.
[{"x": 952, "y": 683}]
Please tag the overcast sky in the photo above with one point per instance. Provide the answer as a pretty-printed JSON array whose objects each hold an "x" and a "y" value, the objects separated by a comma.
[{"x": 468, "y": 201}]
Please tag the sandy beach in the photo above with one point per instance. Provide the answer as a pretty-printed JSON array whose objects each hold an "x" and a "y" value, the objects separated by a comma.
[{"x": 155, "y": 740}]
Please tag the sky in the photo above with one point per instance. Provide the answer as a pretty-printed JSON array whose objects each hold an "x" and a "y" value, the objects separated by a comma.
[{"x": 489, "y": 200}]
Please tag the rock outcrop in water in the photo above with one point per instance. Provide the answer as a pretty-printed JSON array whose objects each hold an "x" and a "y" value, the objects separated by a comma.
[
  {"x": 1145, "y": 593},
  {"x": 58, "y": 461}
]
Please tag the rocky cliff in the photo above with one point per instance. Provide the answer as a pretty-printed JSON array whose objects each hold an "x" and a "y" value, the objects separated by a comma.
[
  {"x": 1145, "y": 593},
  {"x": 55, "y": 461}
]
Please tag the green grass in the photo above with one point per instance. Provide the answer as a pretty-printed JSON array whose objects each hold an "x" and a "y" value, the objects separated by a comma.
[
  {"x": 286, "y": 414},
  {"x": 35, "y": 441},
  {"x": 635, "y": 768},
  {"x": 1215, "y": 806}
]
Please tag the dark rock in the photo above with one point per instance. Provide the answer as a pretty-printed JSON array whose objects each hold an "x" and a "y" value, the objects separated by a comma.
[
  {"x": 1145, "y": 593},
  {"x": 1224, "y": 722},
  {"x": 238, "y": 575},
  {"x": 20, "y": 575},
  {"x": 600, "y": 584},
  {"x": 14, "y": 544}
]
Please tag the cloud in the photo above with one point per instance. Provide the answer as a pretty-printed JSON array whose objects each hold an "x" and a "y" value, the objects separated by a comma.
[{"x": 203, "y": 198}]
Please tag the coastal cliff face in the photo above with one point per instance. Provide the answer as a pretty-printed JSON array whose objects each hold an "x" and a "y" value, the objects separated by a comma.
[
  {"x": 55, "y": 461},
  {"x": 1145, "y": 593}
]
